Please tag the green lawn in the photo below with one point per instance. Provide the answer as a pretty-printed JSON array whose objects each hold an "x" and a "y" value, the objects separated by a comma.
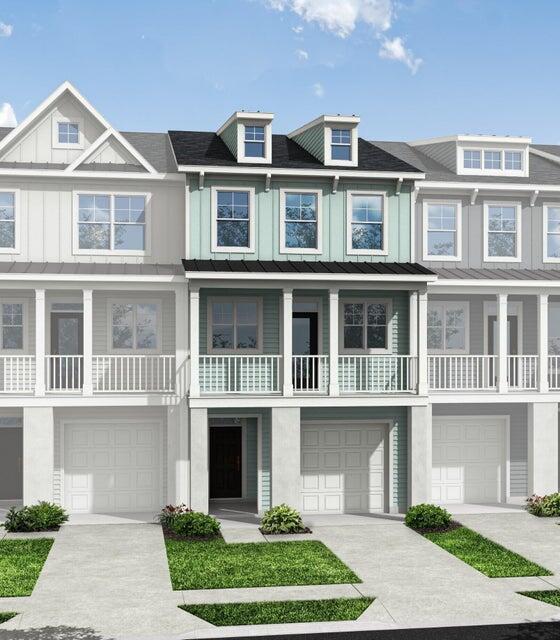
[
  {"x": 21, "y": 562},
  {"x": 6, "y": 615},
  {"x": 488, "y": 557},
  {"x": 241, "y": 613},
  {"x": 550, "y": 597},
  {"x": 213, "y": 564}
]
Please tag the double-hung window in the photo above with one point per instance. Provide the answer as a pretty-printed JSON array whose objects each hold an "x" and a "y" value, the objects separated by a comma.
[
  {"x": 7, "y": 220},
  {"x": 448, "y": 327},
  {"x": 135, "y": 326},
  {"x": 12, "y": 326},
  {"x": 254, "y": 141},
  {"x": 69, "y": 133},
  {"x": 234, "y": 326},
  {"x": 301, "y": 213},
  {"x": 341, "y": 144},
  {"x": 366, "y": 223},
  {"x": 442, "y": 230},
  {"x": 233, "y": 220},
  {"x": 502, "y": 231},
  {"x": 551, "y": 232},
  {"x": 108, "y": 223},
  {"x": 365, "y": 326}
]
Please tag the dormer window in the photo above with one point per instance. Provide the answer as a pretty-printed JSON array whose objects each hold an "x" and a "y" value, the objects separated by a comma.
[
  {"x": 471, "y": 159},
  {"x": 341, "y": 144},
  {"x": 254, "y": 141},
  {"x": 513, "y": 160},
  {"x": 68, "y": 133},
  {"x": 493, "y": 160}
]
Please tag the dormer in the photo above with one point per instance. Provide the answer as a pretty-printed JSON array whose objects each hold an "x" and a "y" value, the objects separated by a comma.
[
  {"x": 331, "y": 139},
  {"x": 248, "y": 135},
  {"x": 480, "y": 155}
]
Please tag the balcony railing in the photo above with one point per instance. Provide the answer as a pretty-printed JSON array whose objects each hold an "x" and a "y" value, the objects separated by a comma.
[
  {"x": 239, "y": 374},
  {"x": 462, "y": 373},
  {"x": 523, "y": 373},
  {"x": 554, "y": 373},
  {"x": 377, "y": 374},
  {"x": 133, "y": 374},
  {"x": 64, "y": 373},
  {"x": 310, "y": 373},
  {"x": 17, "y": 374}
]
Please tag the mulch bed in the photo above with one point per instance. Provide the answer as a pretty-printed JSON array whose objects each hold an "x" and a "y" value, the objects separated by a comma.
[
  {"x": 169, "y": 535},
  {"x": 279, "y": 533},
  {"x": 453, "y": 525}
]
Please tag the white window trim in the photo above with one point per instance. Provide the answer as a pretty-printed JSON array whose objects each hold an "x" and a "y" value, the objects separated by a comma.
[
  {"x": 241, "y": 157},
  {"x": 235, "y": 300},
  {"x": 319, "y": 211},
  {"x": 24, "y": 342},
  {"x": 214, "y": 213},
  {"x": 367, "y": 252},
  {"x": 388, "y": 302},
  {"x": 328, "y": 160},
  {"x": 458, "y": 230},
  {"x": 16, "y": 249},
  {"x": 134, "y": 350},
  {"x": 111, "y": 252},
  {"x": 462, "y": 170},
  {"x": 445, "y": 304},
  {"x": 546, "y": 258},
  {"x": 518, "y": 233},
  {"x": 67, "y": 145}
]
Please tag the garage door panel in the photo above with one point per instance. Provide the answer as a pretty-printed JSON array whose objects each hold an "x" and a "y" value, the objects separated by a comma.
[
  {"x": 352, "y": 438},
  {"x": 331, "y": 438},
  {"x": 331, "y": 460},
  {"x": 354, "y": 460}
]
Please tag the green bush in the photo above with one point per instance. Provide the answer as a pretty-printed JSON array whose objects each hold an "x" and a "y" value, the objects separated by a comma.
[
  {"x": 427, "y": 516},
  {"x": 186, "y": 523},
  {"x": 282, "y": 519},
  {"x": 544, "y": 506},
  {"x": 43, "y": 516}
]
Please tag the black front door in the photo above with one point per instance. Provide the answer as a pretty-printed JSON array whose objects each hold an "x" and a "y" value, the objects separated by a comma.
[
  {"x": 225, "y": 462},
  {"x": 305, "y": 342},
  {"x": 67, "y": 339}
]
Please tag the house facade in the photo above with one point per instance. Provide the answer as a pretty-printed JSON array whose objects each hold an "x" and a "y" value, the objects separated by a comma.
[{"x": 236, "y": 319}]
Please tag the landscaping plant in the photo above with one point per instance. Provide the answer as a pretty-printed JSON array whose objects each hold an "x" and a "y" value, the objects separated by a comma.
[
  {"x": 544, "y": 506},
  {"x": 43, "y": 516},
  {"x": 428, "y": 517},
  {"x": 186, "y": 523},
  {"x": 282, "y": 519}
]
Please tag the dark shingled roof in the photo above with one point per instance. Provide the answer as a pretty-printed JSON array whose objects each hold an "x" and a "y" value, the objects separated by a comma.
[
  {"x": 497, "y": 274},
  {"x": 207, "y": 148},
  {"x": 307, "y": 266}
]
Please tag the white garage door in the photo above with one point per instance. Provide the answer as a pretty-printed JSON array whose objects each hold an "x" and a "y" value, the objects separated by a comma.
[
  {"x": 342, "y": 468},
  {"x": 468, "y": 459},
  {"x": 112, "y": 467}
]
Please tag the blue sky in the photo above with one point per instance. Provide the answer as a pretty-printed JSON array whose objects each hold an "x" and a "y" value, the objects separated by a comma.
[{"x": 409, "y": 68}]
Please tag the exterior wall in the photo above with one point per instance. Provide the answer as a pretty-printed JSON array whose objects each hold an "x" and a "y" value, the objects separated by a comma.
[
  {"x": 229, "y": 136},
  {"x": 443, "y": 152},
  {"x": 267, "y": 219},
  {"x": 46, "y": 219},
  {"x": 517, "y": 413},
  {"x": 112, "y": 152},
  {"x": 313, "y": 140},
  {"x": 251, "y": 445}
]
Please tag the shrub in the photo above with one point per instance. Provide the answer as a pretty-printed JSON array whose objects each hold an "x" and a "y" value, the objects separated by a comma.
[
  {"x": 186, "y": 523},
  {"x": 427, "y": 516},
  {"x": 282, "y": 519},
  {"x": 169, "y": 512},
  {"x": 43, "y": 516},
  {"x": 544, "y": 506}
]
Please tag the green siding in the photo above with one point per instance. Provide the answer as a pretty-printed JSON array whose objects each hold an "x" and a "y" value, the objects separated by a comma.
[
  {"x": 313, "y": 140},
  {"x": 251, "y": 459},
  {"x": 229, "y": 136},
  {"x": 266, "y": 479},
  {"x": 267, "y": 219}
]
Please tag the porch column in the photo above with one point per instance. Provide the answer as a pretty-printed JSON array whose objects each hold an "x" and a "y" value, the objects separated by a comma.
[
  {"x": 194, "y": 317},
  {"x": 199, "y": 484},
  {"x": 285, "y": 457},
  {"x": 542, "y": 451},
  {"x": 38, "y": 454},
  {"x": 87, "y": 387},
  {"x": 422, "y": 346},
  {"x": 419, "y": 454},
  {"x": 40, "y": 342},
  {"x": 287, "y": 306},
  {"x": 542, "y": 314},
  {"x": 178, "y": 475},
  {"x": 334, "y": 389},
  {"x": 181, "y": 341},
  {"x": 502, "y": 311}
]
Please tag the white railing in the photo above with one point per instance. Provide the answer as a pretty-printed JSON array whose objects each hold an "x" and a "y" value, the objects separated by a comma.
[
  {"x": 554, "y": 373},
  {"x": 17, "y": 374},
  {"x": 523, "y": 372},
  {"x": 64, "y": 373},
  {"x": 377, "y": 374},
  {"x": 310, "y": 373},
  {"x": 239, "y": 374},
  {"x": 133, "y": 374},
  {"x": 462, "y": 373}
]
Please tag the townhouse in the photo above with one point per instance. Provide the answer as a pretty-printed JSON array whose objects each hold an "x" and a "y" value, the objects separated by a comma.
[{"x": 238, "y": 318}]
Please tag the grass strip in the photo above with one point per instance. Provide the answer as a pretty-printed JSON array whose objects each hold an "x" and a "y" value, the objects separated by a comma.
[
  {"x": 6, "y": 615},
  {"x": 550, "y": 597},
  {"x": 245, "y": 613},
  {"x": 21, "y": 562}
]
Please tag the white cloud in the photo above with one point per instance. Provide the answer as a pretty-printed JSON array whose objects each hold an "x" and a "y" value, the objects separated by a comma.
[
  {"x": 318, "y": 90},
  {"x": 6, "y": 30},
  {"x": 395, "y": 50},
  {"x": 301, "y": 54},
  {"x": 297, "y": 30},
  {"x": 7, "y": 115}
]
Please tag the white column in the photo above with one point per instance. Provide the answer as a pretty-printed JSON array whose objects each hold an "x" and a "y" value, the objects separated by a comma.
[
  {"x": 199, "y": 485},
  {"x": 542, "y": 452},
  {"x": 419, "y": 454},
  {"x": 39, "y": 342},
  {"x": 542, "y": 315},
  {"x": 287, "y": 304},
  {"x": 178, "y": 467},
  {"x": 333, "y": 342},
  {"x": 422, "y": 346},
  {"x": 87, "y": 295},
  {"x": 502, "y": 311},
  {"x": 285, "y": 457},
  {"x": 38, "y": 454},
  {"x": 181, "y": 341},
  {"x": 194, "y": 318}
]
